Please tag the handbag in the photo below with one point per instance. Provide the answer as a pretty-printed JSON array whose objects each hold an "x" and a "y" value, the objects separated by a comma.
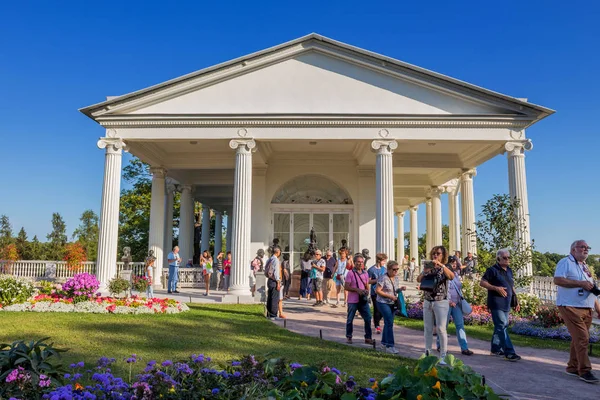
[
  {"x": 428, "y": 283},
  {"x": 465, "y": 307},
  {"x": 402, "y": 305},
  {"x": 363, "y": 299}
]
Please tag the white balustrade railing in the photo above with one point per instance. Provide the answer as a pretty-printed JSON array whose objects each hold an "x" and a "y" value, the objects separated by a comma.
[
  {"x": 543, "y": 287},
  {"x": 38, "y": 269}
]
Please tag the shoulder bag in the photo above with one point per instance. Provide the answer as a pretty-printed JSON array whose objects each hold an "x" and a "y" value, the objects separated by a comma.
[
  {"x": 362, "y": 298},
  {"x": 465, "y": 307},
  {"x": 428, "y": 283}
]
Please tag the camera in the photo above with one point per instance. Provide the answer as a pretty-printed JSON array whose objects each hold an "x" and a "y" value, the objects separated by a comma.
[{"x": 595, "y": 290}]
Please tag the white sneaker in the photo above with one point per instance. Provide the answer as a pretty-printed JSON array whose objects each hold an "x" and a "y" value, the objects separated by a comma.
[
  {"x": 391, "y": 350},
  {"x": 442, "y": 362}
]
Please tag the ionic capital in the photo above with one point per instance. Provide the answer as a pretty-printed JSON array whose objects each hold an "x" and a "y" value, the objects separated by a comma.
[
  {"x": 414, "y": 208},
  {"x": 435, "y": 191},
  {"x": 517, "y": 148},
  {"x": 468, "y": 174},
  {"x": 186, "y": 188},
  {"x": 243, "y": 145},
  {"x": 384, "y": 146},
  {"x": 158, "y": 172},
  {"x": 400, "y": 214},
  {"x": 112, "y": 145}
]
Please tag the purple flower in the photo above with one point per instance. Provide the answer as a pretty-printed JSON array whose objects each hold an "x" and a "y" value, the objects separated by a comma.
[
  {"x": 104, "y": 362},
  {"x": 183, "y": 369},
  {"x": 215, "y": 391},
  {"x": 235, "y": 363},
  {"x": 295, "y": 366},
  {"x": 336, "y": 371},
  {"x": 12, "y": 376},
  {"x": 133, "y": 359},
  {"x": 371, "y": 380},
  {"x": 237, "y": 374},
  {"x": 167, "y": 363},
  {"x": 198, "y": 359}
]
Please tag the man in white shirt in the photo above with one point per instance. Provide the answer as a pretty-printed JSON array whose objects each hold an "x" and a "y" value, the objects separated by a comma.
[
  {"x": 174, "y": 262},
  {"x": 575, "y": 303}
]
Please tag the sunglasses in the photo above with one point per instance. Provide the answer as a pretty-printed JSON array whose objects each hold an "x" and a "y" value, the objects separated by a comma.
[
  {"x": 395, "y": 269},
  {"x": 439, "y": 253},
  {"x": 505, "y": 258}
]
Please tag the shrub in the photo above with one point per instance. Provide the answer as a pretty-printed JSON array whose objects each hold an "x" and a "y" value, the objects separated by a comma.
[
  {"x": 548, "y": 316},
  {"x": 9, "y": 254},
  {"x": 118, "y": 285},
  {"x": 46, "y": 287},
  {"x": 529, "y": 303},
  {"x": 14, "y": 290},
  {"x": 74, "y": 256},
  {"x": 81, "y": 287},
  {"x": 474, "y": 294},
  {"x": 140, "y": 283},
  {"x": 28, "y": 369}
]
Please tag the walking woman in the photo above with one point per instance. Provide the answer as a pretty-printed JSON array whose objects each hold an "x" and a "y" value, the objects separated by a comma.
[
  {"x": 340, "y": 276},
  {"x": 387, "y": 289},
  {"x": 226, "y": 271},
  {"x": 305, "y": 268},
  {"x": 435, "y": 304},
  {"x": 454, "y": 299},
  {"x": 287, "y": 276},
  {"x": 206, "y": 262}
]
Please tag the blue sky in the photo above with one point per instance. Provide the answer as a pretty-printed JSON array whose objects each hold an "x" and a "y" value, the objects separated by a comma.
[{"x": 56, "y": 59}]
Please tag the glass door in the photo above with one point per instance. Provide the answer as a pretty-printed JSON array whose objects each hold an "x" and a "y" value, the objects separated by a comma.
[
  {"x": 281, "y": 230},
  {"x": 301, "y": 228}
]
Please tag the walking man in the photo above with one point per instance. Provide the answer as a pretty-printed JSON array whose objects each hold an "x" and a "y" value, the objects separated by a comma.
[
  {"x": 357, "y": 285},
  {"x": 375, "y": 272},
  {"x": 468, "y": 266},
  {"x": 498, "y": 280},
  {"x": 218, "y": 268},
  {"x": 575, "y": 303},
  {"x": 273, "y": 275},
  {"x": 318, "y": 267},
  {"x": 330, "y": 267},
  {"x": 174, "y": 262}
]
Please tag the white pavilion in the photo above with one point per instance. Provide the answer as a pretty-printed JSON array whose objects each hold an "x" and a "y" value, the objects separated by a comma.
[{"x": 312, "y": 133}]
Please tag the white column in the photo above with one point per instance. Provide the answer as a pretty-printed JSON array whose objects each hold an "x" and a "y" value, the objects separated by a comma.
[
  {"x": 384, "y": 190},
  {"x": 156, "y": 237},
  {"x": 469, "y": 241},
  {"x": 414, "y": 234},
  {"x": 205, "y": 238},
  {"x": 517, "y": 188},
  {"x": 436, "y": 216},
  {"x": 241, "y": 218},
  {"x": 228, "y": 238},
  {"x": 218, "y": 233},
  {"x": 400, "y": 240},
  {"x": 106, "y": 263},
  {"x": 169, "y": 207},
  {"x": 428, "y": 233},
  {"x": 453, "y": 221},
  {"x": 186, "y": 224}
]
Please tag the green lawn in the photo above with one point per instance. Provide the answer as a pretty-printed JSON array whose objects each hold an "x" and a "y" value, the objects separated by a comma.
[
  {"x": 485, "y": 333},
  {"x": 222, "y": 332}
]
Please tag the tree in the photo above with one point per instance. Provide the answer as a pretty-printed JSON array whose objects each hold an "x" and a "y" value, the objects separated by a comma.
[
  {"x": 87, "y": 234},
  {"x": 23, "y": 245},
  {"x": 36, "y": 249},
  {"x": 75, "y": 256},
  {"x": 134, "y": 212},
  {"x": 6, "y": 234},
  {"x": 57, "y": 239},
  {"x": 498, "y": 227}
]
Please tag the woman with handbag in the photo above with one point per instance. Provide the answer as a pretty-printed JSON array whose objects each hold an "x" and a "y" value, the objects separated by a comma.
[
  {"x": 387, "y": 289},
  {"x": 434, "y": 283},
  {"x": 457, "y": 302}
]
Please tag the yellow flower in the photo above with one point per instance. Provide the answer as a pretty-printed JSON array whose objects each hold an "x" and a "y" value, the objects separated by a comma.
[
  {"x": 304, "y": 384},
  {"x": 78, "y": 386},
  {"x": 374, "y": 386},
  {"x": 433, "y": 372},
  {"x": 437, "y": 386},
  {"x": 419, "y": 397},
  {"x": 172, "y": 390}
]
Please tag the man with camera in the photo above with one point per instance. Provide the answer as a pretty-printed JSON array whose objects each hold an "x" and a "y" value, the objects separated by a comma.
[
  {"x": 357, "y": 285},
  {"x": 575, "y": 299}
]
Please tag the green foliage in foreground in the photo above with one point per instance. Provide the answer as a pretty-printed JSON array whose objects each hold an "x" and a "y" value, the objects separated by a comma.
[{"x": 224, "y": 332}]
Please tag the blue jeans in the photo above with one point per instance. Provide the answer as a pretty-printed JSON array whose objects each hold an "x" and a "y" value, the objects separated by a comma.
[
  {"x": 150, "y": 292},
  {"x": 459, "y": 322},
  {"x": 365, "y": 313},
  {"x": 173, "y": 278},
  {"x": 500, "y": 339},
  {"x": 388, "y": 328}
]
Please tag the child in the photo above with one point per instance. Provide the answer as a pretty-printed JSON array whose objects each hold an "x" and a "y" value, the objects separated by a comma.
[
  {"x": 226, "y": 271},
  {"x": 149, "y": 272}
]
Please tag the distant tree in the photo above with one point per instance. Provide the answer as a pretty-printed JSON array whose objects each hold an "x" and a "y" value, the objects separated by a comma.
[
  {"x": 23, "y": 245},
  {"x": 74, "y": 256},
  {"x": 57, "y": 239},
  {"x": 6, "y": 234},
  {"x": 87, "y": 234},
  {"x": 37, "y": 249},
  {"x": 497, "y": 228},
  {"x": 9, "y": 254}
]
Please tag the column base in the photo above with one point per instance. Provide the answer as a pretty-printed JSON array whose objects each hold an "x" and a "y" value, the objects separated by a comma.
[{"x": 234, "y": 298}]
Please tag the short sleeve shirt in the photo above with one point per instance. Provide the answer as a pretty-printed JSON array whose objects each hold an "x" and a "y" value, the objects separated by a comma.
[
  {"x": 356, "y": 280},
  {"x": 330, "y": 268},
  {"x": 316, "y": 274},
  {"x": 496, "y": 276},
  {"x": 440, "y": 292},
  {"x": 306, "y": 265},
  {"x": 570, "y": 297},
  {"x": 376, "y": 273},
  {"x": 388, "y": 286},
  {"x": 171, "y": 256}
]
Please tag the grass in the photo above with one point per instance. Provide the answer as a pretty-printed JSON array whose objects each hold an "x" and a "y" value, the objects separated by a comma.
[
  {"x": 485, "y": 333},
  {"x": 223, "y": 332}
]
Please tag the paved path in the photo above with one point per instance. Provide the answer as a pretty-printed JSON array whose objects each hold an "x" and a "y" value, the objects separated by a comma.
[{"x": 539, "y": 375}]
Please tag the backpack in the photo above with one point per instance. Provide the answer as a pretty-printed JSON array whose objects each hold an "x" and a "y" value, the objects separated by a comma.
[{"x": 270, "y": 269}]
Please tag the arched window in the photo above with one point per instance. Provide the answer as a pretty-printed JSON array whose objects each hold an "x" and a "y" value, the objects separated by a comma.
[{"x": 311, "y": 189}]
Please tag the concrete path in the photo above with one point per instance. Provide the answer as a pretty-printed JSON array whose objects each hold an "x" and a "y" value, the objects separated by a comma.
[{"x": 539, "y": 375}]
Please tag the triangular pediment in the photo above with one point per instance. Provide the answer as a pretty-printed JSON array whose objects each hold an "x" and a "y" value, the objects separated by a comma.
[{"x": 318, "y": 77}]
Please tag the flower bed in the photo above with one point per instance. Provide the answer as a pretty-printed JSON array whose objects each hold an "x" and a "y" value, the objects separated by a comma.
[
  {"x": 560, "y": 332},
  {"x": 248, "y": 378},
  {"x": 479, "y": 316},
  {"x": 78, "y": 294}
]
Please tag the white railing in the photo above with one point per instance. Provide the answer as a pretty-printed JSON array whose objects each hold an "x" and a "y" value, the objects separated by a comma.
[
  {"x": 187, "y": 278},
  {"x": 543, "y": 287},
  {"x": 41, "y": 269}
]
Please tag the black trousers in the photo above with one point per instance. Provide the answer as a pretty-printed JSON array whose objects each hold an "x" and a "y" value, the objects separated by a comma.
[
  {"x": 377, "y": 316},
  {"x": 272, "y": 298}
]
